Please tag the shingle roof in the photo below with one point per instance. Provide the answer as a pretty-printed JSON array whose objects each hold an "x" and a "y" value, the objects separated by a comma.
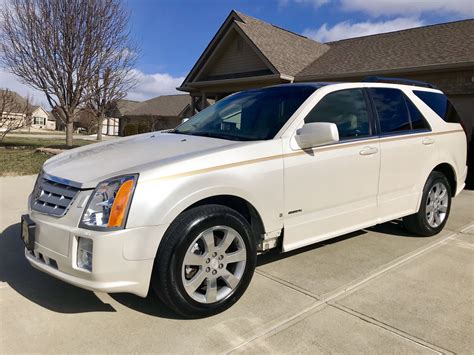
[
  {"x": 288, "y": 52},
  {"x": 126, "y": 106},
  {"x": 167, "y": 105},
  {"x": 447, "y": 43}
]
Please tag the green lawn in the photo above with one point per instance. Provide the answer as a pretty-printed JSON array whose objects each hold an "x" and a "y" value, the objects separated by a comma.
[{"x": 18, "y": 156}]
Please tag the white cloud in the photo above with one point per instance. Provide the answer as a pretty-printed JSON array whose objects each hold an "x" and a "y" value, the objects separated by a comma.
[
  {"x": 148, "y": 86},
  {"x": 348, "y": 29},
  {"x": 464, "y": 8},
  {"x": 13, "y": 83},
  {"x": 152, "y": 85},
  {"x": 315, "y": 3}
]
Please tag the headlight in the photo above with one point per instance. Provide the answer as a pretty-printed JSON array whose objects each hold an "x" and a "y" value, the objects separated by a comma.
[{"x": 108, "y": 205}]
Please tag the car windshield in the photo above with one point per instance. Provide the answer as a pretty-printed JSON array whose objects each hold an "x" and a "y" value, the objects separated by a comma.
[{"x": 249, "y": 115}]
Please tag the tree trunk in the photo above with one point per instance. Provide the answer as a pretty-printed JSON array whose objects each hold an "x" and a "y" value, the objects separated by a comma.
[
  {"x": 69, "y": 133},
  {"x": 100, "y": 123}
]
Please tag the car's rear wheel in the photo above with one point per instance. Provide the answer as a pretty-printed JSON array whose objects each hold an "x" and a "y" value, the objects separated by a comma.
[
  {"x": 434, "y": 209},
  {"x": 205, "y": 261}
]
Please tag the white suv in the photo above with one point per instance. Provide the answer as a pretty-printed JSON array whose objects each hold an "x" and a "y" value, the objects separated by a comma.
[{"x": 187, "y": 211}]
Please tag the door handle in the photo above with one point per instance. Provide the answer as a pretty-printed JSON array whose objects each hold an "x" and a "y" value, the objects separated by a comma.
[
  {"x": 368, "y": 151},
  {"x": 427, "y": 141}
]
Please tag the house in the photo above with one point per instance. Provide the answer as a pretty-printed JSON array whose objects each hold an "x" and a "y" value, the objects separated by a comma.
[
  {"x": 18, "y": 109},
  {"x": 42, "y": 119},
  {"x": 111, "y": 124},
  {"x": 249, "y": 53},
  {"x": 159, "y": 113}
]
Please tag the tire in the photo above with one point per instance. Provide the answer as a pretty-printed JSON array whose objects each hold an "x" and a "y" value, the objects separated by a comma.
[
  {"x": 205, "y": 261},
  {"x": 434, "y": 209}
]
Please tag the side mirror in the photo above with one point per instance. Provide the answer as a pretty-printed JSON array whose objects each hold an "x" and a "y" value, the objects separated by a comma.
[{"x": 317, "y": 133}]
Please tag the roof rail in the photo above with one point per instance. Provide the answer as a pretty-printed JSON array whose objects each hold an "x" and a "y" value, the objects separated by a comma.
[{"x": 383, "y": 79}]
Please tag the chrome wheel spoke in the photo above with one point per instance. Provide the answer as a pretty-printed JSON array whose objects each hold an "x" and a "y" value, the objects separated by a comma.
[
  {"x": 443, "y": 209},
  {"x": 211, "y": 291},
  {"x": 209, "y": 241},
  {"x": 235, "y": 257},
  {"x": 226, "y": 241},
  {"x": 194, "y": 259},
  {"x": 230, "y": 279},
  {"x": 192, "y": 285}
]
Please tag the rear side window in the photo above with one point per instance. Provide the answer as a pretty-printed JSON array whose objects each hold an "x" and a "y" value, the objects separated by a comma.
[
  {"x": 440, "y": 104},
  {"x": 391, "y": 110},
  {"x": 416, "y": 117}
]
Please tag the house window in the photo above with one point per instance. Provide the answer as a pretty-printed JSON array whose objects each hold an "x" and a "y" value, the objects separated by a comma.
[{"x": 38, "y": 120}]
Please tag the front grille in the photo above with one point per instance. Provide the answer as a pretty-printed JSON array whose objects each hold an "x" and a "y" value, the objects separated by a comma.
[{"x": 52, "y": 197}]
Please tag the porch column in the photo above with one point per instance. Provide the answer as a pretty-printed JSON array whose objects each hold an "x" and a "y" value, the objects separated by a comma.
[
  {"x": 193, "y": 105},
  {"x": 203, "y": 101}
]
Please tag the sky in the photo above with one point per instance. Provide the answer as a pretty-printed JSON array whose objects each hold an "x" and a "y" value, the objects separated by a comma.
[{"x": 172, "y": 34}]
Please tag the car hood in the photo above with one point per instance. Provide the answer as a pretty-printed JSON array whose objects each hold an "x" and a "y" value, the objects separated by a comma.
[{"x": 91, "y": 164}]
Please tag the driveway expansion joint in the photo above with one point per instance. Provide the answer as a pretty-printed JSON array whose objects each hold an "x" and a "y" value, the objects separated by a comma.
[{"x": 389, "y": 328}]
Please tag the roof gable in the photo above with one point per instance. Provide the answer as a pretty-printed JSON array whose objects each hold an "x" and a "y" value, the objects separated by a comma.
[
  {"x": 288, "y": 52},
  {"x": 281, "y": 51},
  {"x": 235, "y": 57}
]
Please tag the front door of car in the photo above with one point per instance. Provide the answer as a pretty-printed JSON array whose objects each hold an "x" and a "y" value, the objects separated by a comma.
[{"x": 332, "y": 189}]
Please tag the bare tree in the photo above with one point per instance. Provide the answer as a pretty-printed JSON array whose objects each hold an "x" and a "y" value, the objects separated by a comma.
[
  {"x": 113, "y": 80},
  {"x": 15, "y": 112},
  {"x": 57, "y": 47}
]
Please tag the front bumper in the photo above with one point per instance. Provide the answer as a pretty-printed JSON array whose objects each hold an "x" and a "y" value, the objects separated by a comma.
[{"x": 122, "y": 261}]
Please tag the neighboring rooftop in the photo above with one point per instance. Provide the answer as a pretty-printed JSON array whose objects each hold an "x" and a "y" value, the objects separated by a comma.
[{"x": 166, "y": 105}]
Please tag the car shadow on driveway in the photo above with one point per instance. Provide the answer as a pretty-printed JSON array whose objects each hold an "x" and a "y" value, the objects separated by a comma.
[
  {"x": 38, "y": 287},
  {"x": 56, "y": 295}
]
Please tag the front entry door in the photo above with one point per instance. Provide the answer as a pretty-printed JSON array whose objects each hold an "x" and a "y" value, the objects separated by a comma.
[{"x": 332, "y": 189}]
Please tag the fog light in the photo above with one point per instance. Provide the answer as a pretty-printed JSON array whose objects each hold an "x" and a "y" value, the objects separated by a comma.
[{"x": 84, "y": 253}]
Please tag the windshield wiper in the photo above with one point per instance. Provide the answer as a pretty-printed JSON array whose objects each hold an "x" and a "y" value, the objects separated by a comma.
[{"x": 218, "y": 135}]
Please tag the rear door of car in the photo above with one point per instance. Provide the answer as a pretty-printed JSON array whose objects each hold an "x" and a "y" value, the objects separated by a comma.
[{"x": 408, "y": 151}]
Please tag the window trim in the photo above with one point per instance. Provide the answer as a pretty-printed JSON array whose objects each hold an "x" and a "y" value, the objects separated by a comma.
[{"x": 372, "y": 131}]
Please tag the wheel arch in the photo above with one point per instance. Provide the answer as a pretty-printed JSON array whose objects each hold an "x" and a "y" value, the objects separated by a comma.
[
  {"x": 447, "y": 170},
  {"x": 238, "y": 204}
]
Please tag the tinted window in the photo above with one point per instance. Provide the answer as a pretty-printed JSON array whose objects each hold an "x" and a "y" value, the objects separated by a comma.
[
  {"x": 391, "y": 110},
  {"x": 249, "y": 115},
  {"x": 416, "y": 117},
  {"x": 347, "y": 109},
  {"x": 440, "y": 104}
]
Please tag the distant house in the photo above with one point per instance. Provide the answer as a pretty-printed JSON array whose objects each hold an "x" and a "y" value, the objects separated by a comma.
[
  {"x": 42, "y": 119},
  {"x": 159, "y": 113},
  {"x": 17, "y": 108},
  {"x": 111, "y": 124}
]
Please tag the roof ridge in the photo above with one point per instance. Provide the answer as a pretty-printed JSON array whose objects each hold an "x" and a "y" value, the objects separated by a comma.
[{"x": 398, "y": 31}]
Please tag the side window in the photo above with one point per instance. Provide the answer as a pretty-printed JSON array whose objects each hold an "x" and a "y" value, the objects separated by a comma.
[
  {"x": 391, "y": 110},
  {"x": 440, "y": 104},
  {"x": 416, "y": 117},
  {"x": 347, "y": 109}
]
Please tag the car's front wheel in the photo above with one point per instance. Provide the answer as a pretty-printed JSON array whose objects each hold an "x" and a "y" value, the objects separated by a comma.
[{"x": 205, "y": 261}]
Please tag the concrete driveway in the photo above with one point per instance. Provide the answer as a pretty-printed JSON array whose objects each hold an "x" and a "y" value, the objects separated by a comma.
[{"x": 376, "y": 290}]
